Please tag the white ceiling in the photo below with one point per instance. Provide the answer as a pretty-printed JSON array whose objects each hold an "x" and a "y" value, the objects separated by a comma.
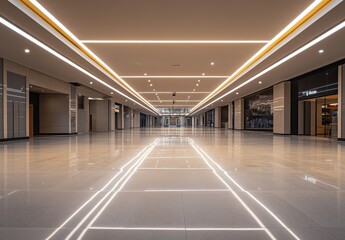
[{"x": 173, "y": 20}]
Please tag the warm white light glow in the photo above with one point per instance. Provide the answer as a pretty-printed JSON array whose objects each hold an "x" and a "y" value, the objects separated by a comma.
[
  {"x": 283, "y": 60},
  {"x": 203, "y": 74},
  {"x": 260, "y": 82},
  {"x": 27, "y": 50},
  {"x": 112, "y": 93},
  {"x": 212, "y": 63},
  {"x": 197, "y": 85},
  {"x": 176, "y": 41},
  {"x": 237, "y": 93},
  {"x": 321, "y": 51},
  {"x": 151, "y": 85},
  {"x": 91, "y": 83},
  {"x": 66, "y": 60},
  {"x": 171, "y": 76},
  {"x": 235, "y": 76}
]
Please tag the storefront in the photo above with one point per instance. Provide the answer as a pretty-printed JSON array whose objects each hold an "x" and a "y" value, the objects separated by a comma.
[
  {"x": 318, "y": 102},
  {"x": 258, "y": 110}
]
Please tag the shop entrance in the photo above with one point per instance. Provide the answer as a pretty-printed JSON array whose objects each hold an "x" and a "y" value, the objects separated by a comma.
[{"x": 319, "y": 116}]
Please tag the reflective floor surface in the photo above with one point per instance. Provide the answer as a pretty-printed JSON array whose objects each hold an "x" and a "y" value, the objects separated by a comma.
[{"x": 176, "y": 184}]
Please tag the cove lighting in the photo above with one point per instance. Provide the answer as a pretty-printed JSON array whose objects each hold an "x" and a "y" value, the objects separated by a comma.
[
  {"x": 285, "y": 59},
  {"x": 306, "y": 15},
  {"x": 64, "y": 59},
  {"x": 176, "y": 41},
  {"x": 46, "y": 16},
  {"x": 202, "y": 76}
]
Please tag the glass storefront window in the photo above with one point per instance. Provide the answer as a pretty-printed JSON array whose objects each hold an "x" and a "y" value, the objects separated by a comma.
[
  {"x": 259, "y": 110},
  {"x": 1, "y": 100}
]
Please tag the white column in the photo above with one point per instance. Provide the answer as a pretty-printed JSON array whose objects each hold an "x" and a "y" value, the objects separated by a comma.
[
  {"x": 239, "y": 114},
  {"x": 193, "y": 122},
  {"x": 122, "y": 116},
  {"x": 341, "y": 102},
  {"x": 282, "y": 108},
  {"x": 132, "y": 117},
  {"x": 230, "y": 115},
  {"x": 217, "y": 117}
]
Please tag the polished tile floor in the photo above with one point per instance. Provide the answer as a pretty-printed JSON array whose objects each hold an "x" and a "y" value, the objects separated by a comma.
[{"x": 173, "y": 184}]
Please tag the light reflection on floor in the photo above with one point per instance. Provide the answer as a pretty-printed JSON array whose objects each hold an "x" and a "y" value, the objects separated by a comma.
[{"x": 173, "y": 184}]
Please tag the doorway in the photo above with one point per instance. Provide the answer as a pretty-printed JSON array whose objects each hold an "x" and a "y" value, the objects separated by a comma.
[{"x": 319, "y": 117}]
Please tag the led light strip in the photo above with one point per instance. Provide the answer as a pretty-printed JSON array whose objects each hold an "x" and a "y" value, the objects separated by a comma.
[
  {"x": 59, "y": 27},
  {"x": 290, "y": 56},
  {"x": 175, "y": 229},
  {"x": 307, "y": 14},
  {"x": 168, "y": 77},
  {"x": 202, "y": 154},
  {"x": 175, "y": 41},
  {"x": 66, "y": 60}
]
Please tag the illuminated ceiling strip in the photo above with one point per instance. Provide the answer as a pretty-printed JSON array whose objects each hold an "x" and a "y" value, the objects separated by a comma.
[
  {"x": 175, "y": 229},
  {"x": 59, "y": 27},
  {"x": 66, "y": 60},
  {"x": 179, "y": 101},
  {"x": 176, "y": 41},
  {"x": 176, "y": 92},
  {"x": 290, "y": 56},
  {"x": 174, "y": 76},
  {"x": 307, "y": 14},
  {"x": 202, "y": 152}
]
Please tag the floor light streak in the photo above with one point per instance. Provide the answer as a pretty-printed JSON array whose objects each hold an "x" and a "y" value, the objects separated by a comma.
[
  {"x": 248, "y": 193},
  {"x": 95, "y": 195},
  {"x": 137, "y": 164}
]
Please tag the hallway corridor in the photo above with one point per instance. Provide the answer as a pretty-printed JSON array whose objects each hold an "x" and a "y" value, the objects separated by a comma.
[{"x": 173, "y": 184}]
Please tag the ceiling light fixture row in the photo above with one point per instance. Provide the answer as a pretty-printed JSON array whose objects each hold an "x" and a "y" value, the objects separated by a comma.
[
  {"x": 283, "y": 60},
  {"x": 64, "y": 59},
  {"x": 306, "y": 15},
  {"x": 54, "y": 23}
]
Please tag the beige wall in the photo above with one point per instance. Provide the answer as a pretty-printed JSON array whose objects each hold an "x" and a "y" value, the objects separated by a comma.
[
  {"x": 54, "y": 114},
  {"x": 239, "y": 114},
  {"x": 217, "y": 117},
  {"x": 100, "y": 119},
  {"x": 282, "y": 108}
]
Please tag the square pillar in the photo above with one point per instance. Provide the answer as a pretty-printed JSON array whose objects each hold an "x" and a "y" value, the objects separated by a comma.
[
  {"x": 230, "y": 115},
  {"x": 341, "y": 102},
  {"x": 239, "y": 114},
  {"x": 282, "y": 108},
  {"x": 217, "y": 117}
]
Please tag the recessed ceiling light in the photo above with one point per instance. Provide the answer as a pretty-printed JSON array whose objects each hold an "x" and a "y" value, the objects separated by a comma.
[
  {"x": 199, "y": 80},
  {"x": 111, "y": 93},
  {"x": 145, "y": 74},
  {"x": 30, "y": 86},
  {"x": 222, "y": 100},
  {"x": 260, "y": 82},
  {"x": 149, "y": 80},
  {"x": 154, "y": 90},
  {"x": 91, "y": 82},
  {"x": 193, "y": 90},
  {"x": 203, "y": 74},
  {"x": 27, "y": 50},
  {"x": 156, "y": 94},
  {"x": 197, "y": 84},
  {"x": 236, "y": 93},
  {"x": 321, "y": 51},
  {"x": 126, "y": 100},
  {"x": 212, "y": 63},
  {"x": 151, "y": 85}
]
